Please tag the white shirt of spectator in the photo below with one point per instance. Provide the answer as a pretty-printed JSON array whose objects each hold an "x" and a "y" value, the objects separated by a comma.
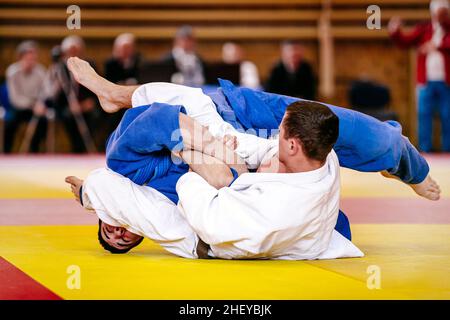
[
  {"x": 249, "y": 76},
  {"x": 189, "y": 65},
  {"x": 435, "y": 64},
  {"x": 24, "y": 88}
]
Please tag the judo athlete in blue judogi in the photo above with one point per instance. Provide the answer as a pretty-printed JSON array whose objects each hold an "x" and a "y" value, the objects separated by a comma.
[{"x": 140, "y": 148}]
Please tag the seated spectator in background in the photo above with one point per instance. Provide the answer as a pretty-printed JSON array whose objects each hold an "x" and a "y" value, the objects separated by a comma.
[
  {"x": 24, "y": 82},
  {"x": 190, "y": 67},
  {"x": 123, "y": 66},
  {"x": 74, "y": 104},
  {"x": 292, "y": 75},
  {"x": 232, "y": 53},
  {"x": 432, "y": 39}
]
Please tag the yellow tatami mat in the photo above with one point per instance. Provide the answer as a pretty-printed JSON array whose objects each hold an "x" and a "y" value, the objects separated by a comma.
[
  {"x": 416, "y": 268},
  {"x": 51, "y": 239}
]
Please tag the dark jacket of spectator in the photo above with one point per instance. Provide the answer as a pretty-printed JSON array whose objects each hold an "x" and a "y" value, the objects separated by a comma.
[
  {"x": 300, "y": 84},
  {"x": 116, "y": 72}
]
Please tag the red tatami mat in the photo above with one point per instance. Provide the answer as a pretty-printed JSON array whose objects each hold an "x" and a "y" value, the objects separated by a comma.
[
  {"x": 396, "y": 210},
  {"x": 17, "y": 285}
]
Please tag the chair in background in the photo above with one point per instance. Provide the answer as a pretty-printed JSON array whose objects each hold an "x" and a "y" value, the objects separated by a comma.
[
  {"x": 371, "y": 98},
  {"x": 151, "y": 71},
  {"x": 222, "y": 70}
]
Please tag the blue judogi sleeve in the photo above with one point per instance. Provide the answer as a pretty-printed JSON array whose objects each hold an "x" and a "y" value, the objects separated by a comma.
[
  {"x": 364, "y": 143},
  {"x": 139, "y": 148}
]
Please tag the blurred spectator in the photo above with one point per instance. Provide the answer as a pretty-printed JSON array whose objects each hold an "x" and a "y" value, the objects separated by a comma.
[
  {"x": 292, "y": 75},
  {"x": 185, "y": 60},
  {"x": 123, "y": 66},
  {"x": 232, "y": 53},
  {"x": 433, "y": 70},
  {"x": 24, "y": 82},
  {"x": 74, "y": 104}
]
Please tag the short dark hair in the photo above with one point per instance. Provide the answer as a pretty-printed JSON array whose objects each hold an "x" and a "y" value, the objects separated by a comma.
[
  {"x": 109, "y": 247},
  {"x": 314, "y": 125}
]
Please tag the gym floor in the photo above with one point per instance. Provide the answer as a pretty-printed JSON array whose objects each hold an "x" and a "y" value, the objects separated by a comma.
[{"x": 50, "y": 250}]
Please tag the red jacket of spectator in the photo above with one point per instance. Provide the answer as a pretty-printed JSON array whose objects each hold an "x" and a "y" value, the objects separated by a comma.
[{"x": 422, "y": 33}]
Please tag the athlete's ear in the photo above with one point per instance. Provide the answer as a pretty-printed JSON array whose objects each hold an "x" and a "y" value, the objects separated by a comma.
[
  {"x": 291, "y": 144},
  {"x": 294, "y": 146}
]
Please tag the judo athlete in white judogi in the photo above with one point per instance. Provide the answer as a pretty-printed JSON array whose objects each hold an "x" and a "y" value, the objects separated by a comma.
[{"x": 261, "y": 215}]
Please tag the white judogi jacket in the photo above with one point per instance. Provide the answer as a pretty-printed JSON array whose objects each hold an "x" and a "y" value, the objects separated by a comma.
[
  {"x": 266, "y": 215},
  {"x": 261, "y": 215}
]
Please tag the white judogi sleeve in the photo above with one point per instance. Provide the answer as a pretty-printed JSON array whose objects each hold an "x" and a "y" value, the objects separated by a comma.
[
  {"x": 203, "y": 206},
  {"x": 139, "y": 209},
  {"x": 200, "y": 107}
]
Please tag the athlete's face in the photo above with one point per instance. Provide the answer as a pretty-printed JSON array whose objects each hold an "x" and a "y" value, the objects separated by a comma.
[
  {"x": 283, "y": 144},
  {"x": 118, "y": 237}
]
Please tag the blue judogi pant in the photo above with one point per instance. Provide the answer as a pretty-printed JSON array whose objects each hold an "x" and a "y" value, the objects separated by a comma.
[{"x": 364, "y": 143}]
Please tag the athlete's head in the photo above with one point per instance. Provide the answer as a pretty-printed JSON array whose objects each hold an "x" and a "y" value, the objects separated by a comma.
[
  {"x": 308, "y": 131},
  {"x": 117, "y": 239}
]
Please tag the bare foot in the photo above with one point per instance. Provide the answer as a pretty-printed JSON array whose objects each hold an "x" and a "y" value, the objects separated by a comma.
[
  {"x": 428, "y": 188},
  {"x": 75, "y": 186},
  {"x": 85, "y": 75}
]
